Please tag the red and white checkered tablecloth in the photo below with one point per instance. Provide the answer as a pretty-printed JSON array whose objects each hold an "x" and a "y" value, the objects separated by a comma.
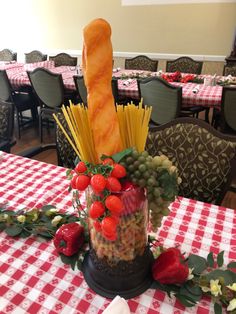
[
  {"x": 207, "y": 96},
  {"x": 34, "y": 280},
  {"x": 6, "y": 65}
]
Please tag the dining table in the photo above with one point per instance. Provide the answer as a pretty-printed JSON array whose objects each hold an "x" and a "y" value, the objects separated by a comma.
[
  {"x": 33, "y": 279},
  {"x": 192, "y": 93}
]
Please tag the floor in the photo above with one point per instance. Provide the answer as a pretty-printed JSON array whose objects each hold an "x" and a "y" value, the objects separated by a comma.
[{"x": 30, "y": 138}]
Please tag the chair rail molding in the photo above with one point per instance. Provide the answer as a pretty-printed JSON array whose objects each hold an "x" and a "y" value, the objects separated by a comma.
[{"x": 166, "y": 2}]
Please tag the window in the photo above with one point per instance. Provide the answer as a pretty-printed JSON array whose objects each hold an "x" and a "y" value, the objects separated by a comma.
[{"x": 151, "y": 2}]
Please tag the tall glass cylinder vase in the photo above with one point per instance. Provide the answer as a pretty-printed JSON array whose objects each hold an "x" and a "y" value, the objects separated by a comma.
[{"x": 123, "y": 266}]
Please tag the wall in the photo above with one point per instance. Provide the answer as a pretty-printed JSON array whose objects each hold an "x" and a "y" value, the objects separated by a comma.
[{"x": 204, "y": 31}]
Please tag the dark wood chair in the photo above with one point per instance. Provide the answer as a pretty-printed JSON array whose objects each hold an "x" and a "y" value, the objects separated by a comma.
[
  {"x": 23, "y": 101},
  {"x": 141, "y": 62},
  {"x": 63, "y": 59},
  {"x": 7, "y": 139},
  {"x": 35, "y": 56},
  {"x": 185, "y": 65},
  {"x": 205, "y": 158},
  {"x": 8, "y": 55}
]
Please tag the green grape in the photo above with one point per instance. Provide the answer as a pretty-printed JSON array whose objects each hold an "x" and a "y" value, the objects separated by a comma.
[
  {"x": 165, "y": 211},
  {"x": 142, "y": 168},
  {"x": 129, "y": 160},
  {"x": 146, "y": 174},
  {"x": 142, "y": 183},
  {"x": 131, "y": 168},
  {"x": 145, "y": 154},
  {"x": 135, "y": 154},
  {"x": 141, "y": 159},
  {"x": 151, "y": 181},
  {"x": 137, "y": 174},
  {"x": 156, "y": 192},
  {"x": 136, "y": 164}
]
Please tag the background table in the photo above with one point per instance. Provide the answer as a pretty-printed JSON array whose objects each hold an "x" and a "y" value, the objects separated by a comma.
[{"x": 34, "y": 280}]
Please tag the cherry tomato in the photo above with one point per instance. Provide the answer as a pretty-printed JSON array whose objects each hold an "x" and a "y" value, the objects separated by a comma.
[
  {"x": 114, "y": 204},
  {"x": 113, "y": 184},
  {"x": 81, "y": 167},
  {"x": 109, "y": 225},
  {"x": 98, "y": 183},
  {"x": 96, "y": 210},
  {"x": 82, "y": 182},
  {"x": 118, "y": 171},
  {"x": 97, "y": 226},
  {"x": 110, "y": 237}
]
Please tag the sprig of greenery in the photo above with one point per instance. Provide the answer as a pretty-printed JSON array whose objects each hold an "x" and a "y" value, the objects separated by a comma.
[{"x": 42, "y": 221}]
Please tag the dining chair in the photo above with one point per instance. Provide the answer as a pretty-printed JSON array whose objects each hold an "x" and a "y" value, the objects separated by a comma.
[
  {"x": 8, "y": 55},
  {"x": 164, "y": 98},
  {"x": 205, "y": 158},
  {"x": 35, "y": 56},
  {"x": 7, "y": 139},
  {"x": 141, "y": 62},
  {"x": 225, "y": 118},
  {"x": 49, "y": 89},
  {"x": 229, "y": 70},
  {"x": 82, "y": 90},
  {"x": 23, "y": 101},
  {"x": 185, "y": 65},
  {"x": 63, "y": 59}
]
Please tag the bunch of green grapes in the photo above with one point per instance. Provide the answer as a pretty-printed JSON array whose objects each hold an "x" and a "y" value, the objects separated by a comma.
[{"x": 158, "y": 176}]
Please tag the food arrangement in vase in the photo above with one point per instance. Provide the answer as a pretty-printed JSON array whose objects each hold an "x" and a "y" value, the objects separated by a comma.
[{"x": 127, "y": 191}]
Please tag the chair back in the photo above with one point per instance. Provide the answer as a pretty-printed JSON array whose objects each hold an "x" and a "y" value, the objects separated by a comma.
[
  {"x": 205, "y": 158},
  {"x": 35, "y": 56},
  {"x": 141, "y": 62},
  {"x": 6, "y": 125},
  {"x": 164, "y": 98},
  {"x": 229, "y": 70},
  {"x": 65, "y": 153},
  {"x": 115, "y": 90},
  {"x": 81, "y": 88},
  {"x": 8, "y": 55},
  {"x": 5, "y": 87},
  {"x": 63, "y": 59},
  {"x": 185, "y": 65},
  {"x": 48, "y": 87},
  {"x": 228, "y": 109}
]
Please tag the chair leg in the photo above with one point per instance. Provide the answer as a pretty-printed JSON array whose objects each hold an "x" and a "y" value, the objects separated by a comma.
[
  {"x": 41, "y": 127},
  {"x": 207, "y": 115}
]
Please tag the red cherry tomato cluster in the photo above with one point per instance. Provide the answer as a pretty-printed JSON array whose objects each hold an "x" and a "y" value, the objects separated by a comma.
[{"x": 107, "y": 207}]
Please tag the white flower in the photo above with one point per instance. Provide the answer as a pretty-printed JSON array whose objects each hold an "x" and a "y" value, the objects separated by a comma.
[
  {"x": 35, "y": 217},
  {"x": 232, "y": 287},
  {"x": 56, "y": 220},
  {"x": 21, "y": 218},
  {"x": 232, "y": 305},
  {"x": 215, "y": 288},
  {"x": 190, "y": 275}
]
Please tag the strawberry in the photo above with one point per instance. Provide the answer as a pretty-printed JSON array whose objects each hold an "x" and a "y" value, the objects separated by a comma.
[
  {"x": 118, "y": 171},
  {"x": 114, "y": 204},
  {"x": 81, "y": 167},
  {"x": 98, "y": 183},
  {"x": 113, "y": 184},
  {"x": 96, "y": 210},
  {"x": 82, "y": 182},
  {"x": 73, "y": 182}
]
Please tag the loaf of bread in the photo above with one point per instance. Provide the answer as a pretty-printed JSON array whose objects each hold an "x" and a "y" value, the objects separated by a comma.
[{"x": 97, "y": 68}]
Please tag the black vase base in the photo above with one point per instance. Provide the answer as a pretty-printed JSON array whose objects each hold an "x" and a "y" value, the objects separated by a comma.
[{"x": 127, "y": 285}]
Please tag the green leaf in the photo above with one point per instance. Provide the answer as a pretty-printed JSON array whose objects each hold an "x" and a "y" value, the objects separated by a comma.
[
  {"x": 231, "y": 265},
  {"x": 69, "y": 260},
  {"x": 13, "y": 230},
  {"x": 220, "y": 259},
  {"x": 25, "y": 234},
  {"x": 210, "y": 260},
  {"x": 198, "y": 263},
  {"x": 117, "y": 157},
  {"x": 217, "y": 308},
  {"x": 186, "y": 301},
  {"x": 193, "y": 292},
  {"x": 44, "y": 234},
  {"x": 2, "y": 226},
  {"x": 228, "y": 276}
]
